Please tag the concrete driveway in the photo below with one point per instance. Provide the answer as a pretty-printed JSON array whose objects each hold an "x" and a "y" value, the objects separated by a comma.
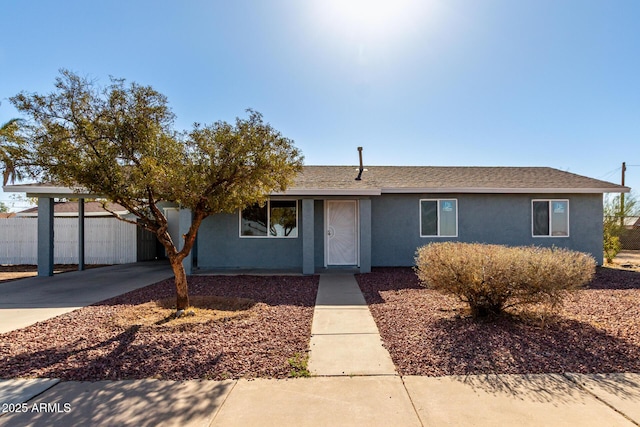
[{"x": 27, "y": 301}]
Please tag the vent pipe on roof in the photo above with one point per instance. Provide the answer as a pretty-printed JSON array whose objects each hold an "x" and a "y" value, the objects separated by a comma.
[{"x": 359, "y": 177}]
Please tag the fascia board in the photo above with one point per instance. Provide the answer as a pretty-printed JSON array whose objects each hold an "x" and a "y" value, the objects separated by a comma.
[
  {"x": 329, "y": 192},
  {"x": 40, "y": 189},
  {"x": 49, "y": 191},
  {"x": 72, "y": 214},
  {"x": 505, "y": 190}
]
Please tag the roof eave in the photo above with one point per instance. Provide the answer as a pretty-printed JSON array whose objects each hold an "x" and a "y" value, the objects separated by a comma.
[
  {"x": 493, "y": 190},
  {"x": 49, "y": 191},
  {"x": 72, "y": 214},
  {"x": 329, "y": 192}
]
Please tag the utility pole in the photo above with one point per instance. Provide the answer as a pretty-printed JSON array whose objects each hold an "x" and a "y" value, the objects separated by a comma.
[{"x": 624, "y": 169}]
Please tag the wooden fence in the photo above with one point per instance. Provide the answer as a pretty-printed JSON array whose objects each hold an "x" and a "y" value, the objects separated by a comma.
[{"x": 107, "y": 241}]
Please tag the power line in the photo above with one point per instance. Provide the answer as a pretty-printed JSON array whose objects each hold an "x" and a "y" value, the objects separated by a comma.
[{"x": 611, "y": 172}]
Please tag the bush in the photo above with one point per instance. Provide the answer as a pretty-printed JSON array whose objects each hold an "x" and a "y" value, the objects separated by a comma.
[
  {"x": 492, "y": 278},
  {"x": 611, "y": 246},
  {"x": 611, "y": 230}
]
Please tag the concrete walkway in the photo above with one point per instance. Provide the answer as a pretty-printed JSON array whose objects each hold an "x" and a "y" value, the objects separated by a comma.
[
  {"x": 27, "y": 301},
  {"x": 344, "y": 337},
  {"x": 355, "y": 386},
  {"x": 492, "y": 400}
]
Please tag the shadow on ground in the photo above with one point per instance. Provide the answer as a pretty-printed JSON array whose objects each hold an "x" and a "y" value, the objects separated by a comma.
[
  {"x": 92, "y": 343},
  {"x": 272, "y": 290},
  {"x": 556, "y": 388},
  {"x": 142, "y": 403},
  {"x": 464, "y": 346},
  {"x": 428, "y": 334}
]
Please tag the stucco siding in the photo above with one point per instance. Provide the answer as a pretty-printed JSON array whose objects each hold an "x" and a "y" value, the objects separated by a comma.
[
  {"x": 485, "y": 218},
  {"x": 219, "y": 246},
  {"x": 395, "y": 230}
]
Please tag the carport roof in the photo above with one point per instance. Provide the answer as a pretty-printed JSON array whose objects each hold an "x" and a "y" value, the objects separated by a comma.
[
  {"x": 48, "y": 189},
  {"x": 71, "y": 209}
]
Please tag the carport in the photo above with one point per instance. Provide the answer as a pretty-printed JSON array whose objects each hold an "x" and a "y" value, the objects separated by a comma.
[{"x": 46, "y": 193}]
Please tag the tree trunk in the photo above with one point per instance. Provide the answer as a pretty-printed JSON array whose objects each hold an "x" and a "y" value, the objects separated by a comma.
[
  {"x": 176, "y": 257},
  {"x": 182, "y": 292}
]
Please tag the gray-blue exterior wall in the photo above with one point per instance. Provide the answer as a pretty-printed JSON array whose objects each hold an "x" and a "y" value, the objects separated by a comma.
[
  {"x": 395, "y": 230},
  {"x": 484, "y": 218},
  {"x": 219, "y": 246}
]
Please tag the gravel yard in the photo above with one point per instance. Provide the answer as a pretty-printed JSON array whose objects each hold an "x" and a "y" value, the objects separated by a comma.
[
  {"x": 597, "y": 330},
  {"x": 93, "y": 343}
]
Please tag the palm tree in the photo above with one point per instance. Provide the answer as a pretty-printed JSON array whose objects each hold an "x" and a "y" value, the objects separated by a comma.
[{"x": 11, "y": 151}]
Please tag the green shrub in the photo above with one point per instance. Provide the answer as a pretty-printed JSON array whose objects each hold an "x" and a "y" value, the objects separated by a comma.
[
  {"x": 611, "y": 230},
  {"x": 611, "y": 246},
  {"x": 492, "y": 278}
]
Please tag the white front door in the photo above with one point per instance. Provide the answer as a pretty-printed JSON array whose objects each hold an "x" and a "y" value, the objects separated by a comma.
[{"x": 342, "y": 232}]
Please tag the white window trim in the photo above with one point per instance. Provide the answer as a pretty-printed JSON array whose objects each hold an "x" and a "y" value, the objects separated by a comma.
[
  {"x": 438, "y": 216},
  {"x": 269, "y": 236},
  {"x": 547, "y": 236}
]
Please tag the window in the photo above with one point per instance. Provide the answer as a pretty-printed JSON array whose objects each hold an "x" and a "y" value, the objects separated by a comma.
[
  {"x": 550, "y": 218},
  {"x": 438, "y": 218},
  {"x": 276, "y": 218}
]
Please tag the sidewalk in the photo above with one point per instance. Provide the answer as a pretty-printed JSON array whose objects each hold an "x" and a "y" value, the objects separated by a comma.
[
  {"x": 493, "y": 400},
  {"x": 343, "y": 393}
]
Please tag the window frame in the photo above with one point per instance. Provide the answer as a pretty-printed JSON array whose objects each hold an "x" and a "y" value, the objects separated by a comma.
[
  {"x": 268, "y": 234},
  {"x": 439, "y": 235},
  {"x": 550, "y": 225}
]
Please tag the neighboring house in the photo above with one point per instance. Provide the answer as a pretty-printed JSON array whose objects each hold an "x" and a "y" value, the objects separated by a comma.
[
  {"x": 70, "y": 210},
  {"x": 631, "y": 222},
  {"x": 329, "y": 219}
]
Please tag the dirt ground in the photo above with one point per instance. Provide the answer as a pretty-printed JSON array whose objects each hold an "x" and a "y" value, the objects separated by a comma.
[
  {"x": 627, "y": 260},
  {"x": 14, "y": 272}
]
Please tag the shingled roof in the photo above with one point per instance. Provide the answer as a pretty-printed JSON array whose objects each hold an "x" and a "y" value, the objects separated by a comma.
[
  {"x": 325, "y": 180},
  {"x": 340, "y": 180}
]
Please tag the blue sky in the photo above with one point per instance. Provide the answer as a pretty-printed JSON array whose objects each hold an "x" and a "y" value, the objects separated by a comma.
[{"x": 431, "y": 82}]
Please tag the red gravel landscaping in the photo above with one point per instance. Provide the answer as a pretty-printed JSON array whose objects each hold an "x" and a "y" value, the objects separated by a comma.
[
  {"x": 597, "y": 331},
  {"x": 91, "y": 344},
  {"x": 426, "y": 333}
]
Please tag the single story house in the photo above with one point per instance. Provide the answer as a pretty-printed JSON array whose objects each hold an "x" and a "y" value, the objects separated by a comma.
[
  {"x": 329, "y": 219},
  {"x": 631, "y": 222}
]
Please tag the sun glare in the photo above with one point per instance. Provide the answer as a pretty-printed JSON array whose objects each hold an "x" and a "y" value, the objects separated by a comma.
[{"x": 369, "y": 19}]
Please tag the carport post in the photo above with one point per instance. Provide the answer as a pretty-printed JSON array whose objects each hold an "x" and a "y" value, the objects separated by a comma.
[
  {"x": 45, "y": 236},
  {"x": 80, "y": 234}
]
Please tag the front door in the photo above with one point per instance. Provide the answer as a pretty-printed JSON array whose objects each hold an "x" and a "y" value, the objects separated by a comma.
[{"x": 342, "y": 232}]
